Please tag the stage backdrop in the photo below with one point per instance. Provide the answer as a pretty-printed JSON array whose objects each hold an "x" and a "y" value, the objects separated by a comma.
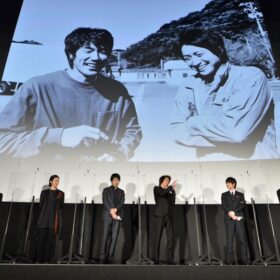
[{"x": 159, "y": 113}]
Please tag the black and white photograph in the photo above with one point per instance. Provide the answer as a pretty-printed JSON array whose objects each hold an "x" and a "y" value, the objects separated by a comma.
[{"x": 218, "y": 113}]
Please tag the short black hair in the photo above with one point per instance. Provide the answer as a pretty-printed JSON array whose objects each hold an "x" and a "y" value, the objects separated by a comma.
[
  {"x": 52, "y": 178},
  {"x": 163, "y": 177},
  {"x": 231, "y": 180},
  {"x": 115, "y": 175},
  {"x": 204, "y": 39},
  {"x": 83, "y": 36}
]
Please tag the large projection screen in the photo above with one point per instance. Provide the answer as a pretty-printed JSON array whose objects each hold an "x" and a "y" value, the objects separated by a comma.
[{"x": 200, "y": 110}]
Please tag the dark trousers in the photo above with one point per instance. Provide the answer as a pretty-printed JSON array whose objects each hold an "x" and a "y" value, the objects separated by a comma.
[
  {"x": 161, "y": 223},
  {"x": 236, "y": 228},
  {"x": 45, "y": 245},
  {"x": 109, "y": 239}
]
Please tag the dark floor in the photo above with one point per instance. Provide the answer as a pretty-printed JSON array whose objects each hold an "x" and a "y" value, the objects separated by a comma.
[{"x": 162, "y": 272}]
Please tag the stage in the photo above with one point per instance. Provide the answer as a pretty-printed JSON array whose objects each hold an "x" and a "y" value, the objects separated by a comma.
[{"x": 162, "y": 272}]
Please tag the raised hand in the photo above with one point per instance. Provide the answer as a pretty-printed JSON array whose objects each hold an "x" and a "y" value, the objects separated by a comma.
[{"x": 174, "y": 184}]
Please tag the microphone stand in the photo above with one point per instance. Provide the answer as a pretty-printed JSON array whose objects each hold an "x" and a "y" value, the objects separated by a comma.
[
  {"x": 208, "y": 258},
  {"x": 2, "y": 253},
  {"x": 140, "y": 259},
  {"x": 80, "y": 256},
  {"x": 274, "y": 259},
  {"x": 70, "y": 257},
  {"x": 260, "y": 260},
  {"x": 24, "y": 256},
  {"x": 91, "y": 259},
  {"x": 198, "y": 239}
]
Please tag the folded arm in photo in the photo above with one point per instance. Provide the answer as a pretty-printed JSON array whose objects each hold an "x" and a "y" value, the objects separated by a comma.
[
  {"x": 180, "y": 114},
  {"x": 240, "y": 116}
]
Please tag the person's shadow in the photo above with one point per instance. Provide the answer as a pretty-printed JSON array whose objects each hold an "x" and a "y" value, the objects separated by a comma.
[
  {"x": 181, "y": 197},
  {"x": 130, "y": 193},
  {"x": 98, "y": 197},
  {"x": 149, "y": 193},
  {"x": 260, "y": 195}
]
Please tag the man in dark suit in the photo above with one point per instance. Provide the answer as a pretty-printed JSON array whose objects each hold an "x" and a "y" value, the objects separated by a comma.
[
  {"x": 165, "y": 199},
  {"x": 233, "y": 203},
  {"x": 113, "y": 201},
  {"x": 278, "y": 194}
]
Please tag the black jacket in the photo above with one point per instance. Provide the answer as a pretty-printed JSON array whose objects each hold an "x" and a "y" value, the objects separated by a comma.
[
  {"x": 47, "y": 215},
  {"x": 109, "y": 201},
  {"x": 165, "y": 199},
  {"x": 234, "y": 203}
]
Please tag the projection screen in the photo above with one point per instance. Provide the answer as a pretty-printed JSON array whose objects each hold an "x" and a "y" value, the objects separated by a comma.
[{"x": 188, "y": 88}]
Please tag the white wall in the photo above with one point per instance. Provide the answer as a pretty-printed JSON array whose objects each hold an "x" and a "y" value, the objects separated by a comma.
[{"x": 25, "y": 178}]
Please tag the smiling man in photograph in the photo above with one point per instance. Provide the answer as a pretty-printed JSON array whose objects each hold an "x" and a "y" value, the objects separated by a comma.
[
  {"x": 221, "y": 108},
  {"x": 77, "y": 109}
]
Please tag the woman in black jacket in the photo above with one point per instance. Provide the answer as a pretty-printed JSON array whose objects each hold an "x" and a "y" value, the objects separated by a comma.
[{"x": 49, "y": 222}]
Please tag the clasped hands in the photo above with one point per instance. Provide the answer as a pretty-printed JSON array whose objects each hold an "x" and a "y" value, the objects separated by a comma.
[
  {"x": 232, "y": 215},
  {"x": 84, "y": 134},
  {"x": 113, "y": 212}
]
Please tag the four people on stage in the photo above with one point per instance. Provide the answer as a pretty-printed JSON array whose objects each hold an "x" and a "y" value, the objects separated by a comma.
[{"x": 52, "y": 200}]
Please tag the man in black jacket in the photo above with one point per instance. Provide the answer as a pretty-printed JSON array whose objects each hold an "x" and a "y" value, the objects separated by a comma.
[
  {"x": 233, "y": 203},
  {"x": 165, "y": 199},
  {"x": 113, "y": 201},
  {"x": 278, "y": 194},
  {"x": 50, "y": 220}
]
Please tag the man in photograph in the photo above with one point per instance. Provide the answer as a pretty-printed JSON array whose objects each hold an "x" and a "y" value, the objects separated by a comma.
[
  {"x": 222, "y": 108},
  {"x": 77, "y": 109}
]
